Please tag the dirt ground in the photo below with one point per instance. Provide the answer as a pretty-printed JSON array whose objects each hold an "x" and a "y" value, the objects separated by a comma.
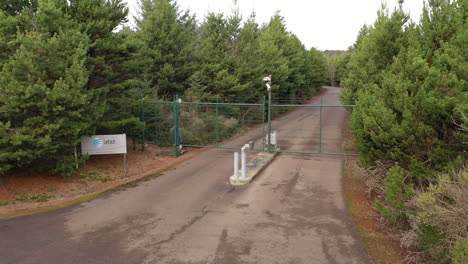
[
  {"x": 63, "y": 190},
  {"x": 380, "y": 240}
]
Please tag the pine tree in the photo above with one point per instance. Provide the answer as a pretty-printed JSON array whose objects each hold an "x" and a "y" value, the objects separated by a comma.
[
  {"x": 272, "y": 40},
  {"x": 58, "y": 73},
  {"x": 166, "y": 53},
  {"x": 376, "y": 48},
  {"x": 218, "y": 56},
  {"x": 43, "y": 111}
]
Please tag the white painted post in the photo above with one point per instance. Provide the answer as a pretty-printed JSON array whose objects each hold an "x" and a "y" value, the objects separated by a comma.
[
  {"x": 244, "y": 165},
  {"x": 236, "y": 164}
]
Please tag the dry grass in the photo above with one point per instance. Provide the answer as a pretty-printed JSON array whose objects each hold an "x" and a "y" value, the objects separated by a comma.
[{"x": 381, "y": 242}]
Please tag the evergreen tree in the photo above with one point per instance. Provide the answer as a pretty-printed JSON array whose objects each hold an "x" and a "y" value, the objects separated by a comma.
[
  {"x": 376, "y": 48},
  {"x": 57, "y": 76},
  {"x": 407, "y": 115},
  {"x": 218, "y": 56},
  {"x": 317, "y": 71},
  {"x": 166, "y": 54},
  {"x": 44, "y": 110},
  {"x": 272, "y": 40},
  {"x": 249, "y": 70}
]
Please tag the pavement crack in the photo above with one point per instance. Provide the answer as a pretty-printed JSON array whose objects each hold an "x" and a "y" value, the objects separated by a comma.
[{"x": 182, "y": 229}]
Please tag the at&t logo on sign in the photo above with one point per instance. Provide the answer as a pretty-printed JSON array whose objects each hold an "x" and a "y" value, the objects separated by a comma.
[
  {"x": 97, "y": 142},
  {"x": 104, "y": 144}
]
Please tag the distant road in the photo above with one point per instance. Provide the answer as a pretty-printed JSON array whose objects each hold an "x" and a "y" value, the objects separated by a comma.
[{"x": 294, "y": 212}]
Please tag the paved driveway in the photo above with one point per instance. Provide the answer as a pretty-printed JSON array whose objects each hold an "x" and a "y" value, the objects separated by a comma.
[{"x": 293, "y": 212}]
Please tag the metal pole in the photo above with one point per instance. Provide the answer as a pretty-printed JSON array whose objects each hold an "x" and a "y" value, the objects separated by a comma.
[
  {"x": 244, "y": 164},
  {"x": 144, "y": 127},
  {"x": 176, "y": 126},
  {"x": 217, "y": 121},
  {"x": 236, "y": 164},
  {"x": 76, "y": 158},
  {"x": 125, "y": 163},
  {"x": 321, "y": 113},
  {"x": 269, "y": 120},
  {"x": 263, "y": 124}
]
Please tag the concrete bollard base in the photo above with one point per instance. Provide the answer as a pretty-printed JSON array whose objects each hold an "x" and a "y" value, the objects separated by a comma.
[{"x": 254, "y": 168}]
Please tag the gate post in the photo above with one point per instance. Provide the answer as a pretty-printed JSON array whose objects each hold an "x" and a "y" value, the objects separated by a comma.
[
  {"x": 142, "y": 118},
  {"x": 176, "y": 126},
  {"x": 269, "y": 120},
  {"x": 263, "y": 124},
  {"x": 217, "y": 121},
  {"x": 321, "y": 113}
]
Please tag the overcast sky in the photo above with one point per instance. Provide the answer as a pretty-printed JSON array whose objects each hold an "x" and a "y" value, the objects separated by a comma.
[{"x": 325, "y": 24}]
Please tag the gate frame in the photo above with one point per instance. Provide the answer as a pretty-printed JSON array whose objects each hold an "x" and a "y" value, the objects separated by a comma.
[{"x": 176, "y": 136}]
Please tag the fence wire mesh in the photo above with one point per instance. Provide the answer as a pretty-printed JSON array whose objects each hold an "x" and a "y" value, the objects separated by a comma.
[
  {"x": 207, "y": 124},
  {"x": 301, "y": 128}
]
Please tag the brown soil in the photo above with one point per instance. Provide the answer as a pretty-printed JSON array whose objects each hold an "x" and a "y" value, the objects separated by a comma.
[
  {"x": 379, "y": 239},
  {"x": 66, "y": 191}
]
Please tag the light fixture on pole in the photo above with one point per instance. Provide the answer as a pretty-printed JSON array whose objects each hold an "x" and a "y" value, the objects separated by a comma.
[{"x": 267, "y": 81}]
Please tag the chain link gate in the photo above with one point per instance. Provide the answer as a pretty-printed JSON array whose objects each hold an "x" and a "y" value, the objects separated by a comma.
[{"x": 180, "y": 124}]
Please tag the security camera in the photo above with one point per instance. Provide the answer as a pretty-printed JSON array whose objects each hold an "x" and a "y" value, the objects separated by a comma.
[{"x": 267, "y": 78}]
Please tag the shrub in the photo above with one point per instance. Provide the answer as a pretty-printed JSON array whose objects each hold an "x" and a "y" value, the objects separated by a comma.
[
  {"x": 95, "y": 176},
  {"x": 397, "y": 193},
  {"x": 33, "y": 197},
  {"x": 460, "y": 251},
  {"x": 440, "y": 220}
]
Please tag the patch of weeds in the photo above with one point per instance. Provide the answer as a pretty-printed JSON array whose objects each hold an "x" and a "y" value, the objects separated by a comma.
[
  {"x": 95, "y": 176},
  {"x": 33, "y": 197},
  {"x": 3, "y": 203},
  {"x": 52, "y": 188}
]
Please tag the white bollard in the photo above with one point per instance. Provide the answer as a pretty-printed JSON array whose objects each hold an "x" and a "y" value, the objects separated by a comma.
[
  {"x": 244, "y": 164},
  {"x": 236, "y": 164}
]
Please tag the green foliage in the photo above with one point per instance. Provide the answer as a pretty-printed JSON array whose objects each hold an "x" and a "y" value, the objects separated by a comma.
[
  {"x": 407, "y": 97},
  {"x": 397, "y": 193},
  {"x": 43, "y": 105},
  {"x": 459, "y": 252},
  {"x": 338, "y": 65},
  {"x": 428, "y": 238},
  {"x": 234, "y": 59},
  {"x": 440, "y": 218},
  {"x": 94, "y": 176},
  {"x": 60, "y": 77},
  {"x": 4, "y": 202},
  {"x": 408, "y": 82},
  {"x": 33, "y": 197},
  {"x": 65, "y": 72},
  {"x": 164, "y": 36},
  {"x": 12, "y": 7}
]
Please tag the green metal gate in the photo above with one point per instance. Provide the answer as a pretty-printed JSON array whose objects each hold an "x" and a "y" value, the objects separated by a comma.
[
  {"x": 312, "y": 128},
  {"x": 180, "y": 124}
]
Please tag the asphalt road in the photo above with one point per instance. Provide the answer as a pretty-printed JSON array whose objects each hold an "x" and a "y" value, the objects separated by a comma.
[{"x": 294, "y": 212}]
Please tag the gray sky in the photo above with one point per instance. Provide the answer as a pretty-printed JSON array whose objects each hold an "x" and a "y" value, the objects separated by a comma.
[{"x": 325, "y": 24}]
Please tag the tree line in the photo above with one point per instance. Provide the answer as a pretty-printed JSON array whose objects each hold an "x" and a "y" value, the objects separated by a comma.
[
  {"x": 66, "y": 71},
  {"x": 409, "y": 83}
]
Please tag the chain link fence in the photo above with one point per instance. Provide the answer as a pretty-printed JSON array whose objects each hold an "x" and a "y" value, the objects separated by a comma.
[{"x": 301, "y": 128}]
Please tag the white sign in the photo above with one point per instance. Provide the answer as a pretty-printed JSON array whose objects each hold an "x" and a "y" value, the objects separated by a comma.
[{"x": 104, "y": 144}]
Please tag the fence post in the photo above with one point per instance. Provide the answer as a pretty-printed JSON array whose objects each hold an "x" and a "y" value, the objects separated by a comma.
[
  {"x": 321, "y": 113},
  {"x": 263, "y": 124},
  {"x": 217, "y": 121},
  {"x": 269, "y": 120},
  {"x": 142, "y": 118},
  {"x": 176, "y": 126}
]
